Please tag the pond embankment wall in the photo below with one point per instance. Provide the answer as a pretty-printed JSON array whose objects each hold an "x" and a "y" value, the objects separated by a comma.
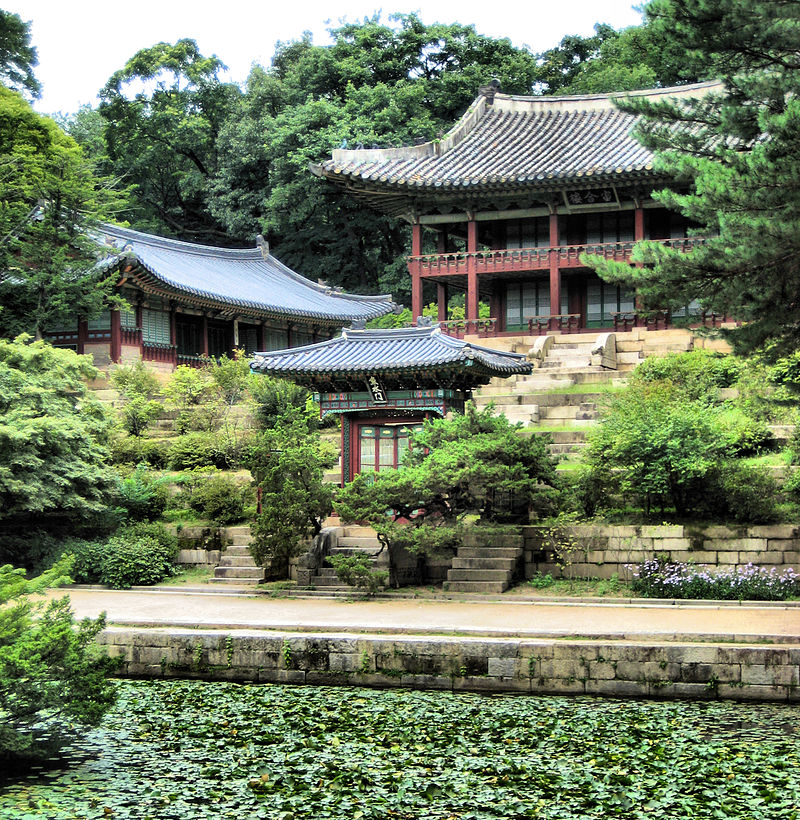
[
  {"x": 616, "y": 668},
  {"x": 601, "y": 551}
]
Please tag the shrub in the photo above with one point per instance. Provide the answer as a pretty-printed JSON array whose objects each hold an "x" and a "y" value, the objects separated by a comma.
[
  {"x": 355, "y": 571},
  {"x": 218, "y": 498},
  {"x": 744, "y": 435},
  {"x": 137, "y": 413},
  {"x": 192, "y": 450},
  {"x": 273, "y": 397},
  {"x": 138, "y": 450},
  {"x": 87, "y": 559},
  {"x": 659, "y": 578},
  {"x": 143, "y": 496},
  {"x": 697, "y": 374},
  {"x": 746, "y": 495},
  {"x": 135, "y": 380},
  {"x": 137, "y": 556},
  {"x": 53, "y": 676}
]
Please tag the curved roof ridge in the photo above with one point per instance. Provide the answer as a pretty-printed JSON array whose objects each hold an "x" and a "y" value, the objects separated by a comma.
[
  {"x": 168, "y": 243},
  {"x": 509, "y": 103}
]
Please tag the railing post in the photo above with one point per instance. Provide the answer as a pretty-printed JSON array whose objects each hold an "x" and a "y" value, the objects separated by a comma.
[
  {"x": 472, "y": 271},
  {"x": 555, "y": 271},
  {"x": 116, "y": 336}
]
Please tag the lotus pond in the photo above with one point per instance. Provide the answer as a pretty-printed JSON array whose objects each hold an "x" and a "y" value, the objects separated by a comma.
[{"x": 190, "y": 749}]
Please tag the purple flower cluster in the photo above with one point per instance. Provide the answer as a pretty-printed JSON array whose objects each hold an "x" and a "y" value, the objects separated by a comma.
[{"x": 659, "y": 578}]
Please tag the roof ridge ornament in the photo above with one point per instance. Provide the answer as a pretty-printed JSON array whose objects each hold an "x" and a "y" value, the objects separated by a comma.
[
  {"x": 490, "y": 90},
  {"x": 358, "y": 324},
  {"x": 424, "y": 321},
  {"x": 262, "y": 245}
]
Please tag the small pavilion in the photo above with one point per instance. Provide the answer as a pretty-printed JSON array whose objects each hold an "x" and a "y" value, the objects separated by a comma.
[{"x": 383, "y": 383}]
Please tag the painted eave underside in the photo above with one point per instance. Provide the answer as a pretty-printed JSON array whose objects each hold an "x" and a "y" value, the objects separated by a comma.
[
  {"x": 514, "y": 146},
  {"x": 232, "y": 280},
  {"x": 405, "y": 351}
]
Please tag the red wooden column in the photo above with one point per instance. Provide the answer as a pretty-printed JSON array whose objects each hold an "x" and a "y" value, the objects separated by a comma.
[
  {"x": 83, "y": 335},
  {"x": 416, "y": 278},
  {"x": 555, "y": 272},
  {"x": 116, "y": 336},
  {"x": 442, "y": 298},
  {"x": 472, "y": 270},
  {"x": 205, "y": 335},
  {"x": 638, "y": 223}
]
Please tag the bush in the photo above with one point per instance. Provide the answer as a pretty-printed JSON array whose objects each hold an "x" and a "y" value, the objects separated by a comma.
[
  {"x": 87, "y": 559},
  {"x": 355, "y": 571},
  {"x": 659, "y": 578},
  {"x": 138, "y": 450},
  {"x": 143, "y": 496},
  {"x": 218, "y": 498},
  {"x": 746, "y": 495},
  {"x": 135, "y": 380},
  {"x": 273, "y": 397},
  {"x": 139, "y": 555},
  {"x": 744, "y": 435},
  {"x": 53, "y": 676},
  {"x": 193, "y": 450},
  {"x": 698, "y": 374}
]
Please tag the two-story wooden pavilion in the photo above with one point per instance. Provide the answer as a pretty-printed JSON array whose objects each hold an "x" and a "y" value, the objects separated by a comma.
[
  {"x": 504, "y": 206},
  {"x": 189, "y": 302}
]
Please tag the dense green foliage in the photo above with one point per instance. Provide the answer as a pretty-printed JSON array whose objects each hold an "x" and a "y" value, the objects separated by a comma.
[
  {"x": 142, "y": 495},
  {"x": 355, "y": 570},
  {"x": 218, "y": 498},
  {"x": 189, "y": 749},
  {"x": 53, "y": 444},
  {"x": 288, "y": 464},
  {"x": 17, "y": 57},
  {"x": 138, "y": 555},
  {"x": 734, "y": 155},
  {"x": 670, "y": 441},
  {"x": 471, "y": 465},
  {"x": 51, "y": 198},
  {"x": 52, "y": 676}
]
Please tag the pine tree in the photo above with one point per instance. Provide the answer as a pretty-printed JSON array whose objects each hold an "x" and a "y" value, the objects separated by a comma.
[{"x": 735, "y": 156}]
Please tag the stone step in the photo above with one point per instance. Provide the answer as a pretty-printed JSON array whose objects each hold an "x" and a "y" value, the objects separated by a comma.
[
  {"x": 475, "y": 586},
  {"x": 326, "y": 572},
  {"x": 574, "y": 422},
  {"x": 566, "y": 365},
  {"x": 358, "y": 542},
  {"x": 365, "y": 550},
  {"x": 563, "y": 436},
  {"x": 239, "y": 572},
  {"x": 357, "y": 531},
  {"x": 489, "y": 552},
  {"x": 569, "y": 411},
  {"x": 482, "y": 563},
  {"x": 328, "y": 581},
  {"x": 242, "y": 529},
  {"x": 241, "y": 540},
  {"x": 242, "y": 582},
  {"x": 237, "y": 561},
  {"x": 502, "y": 575},
  {"x": 565, "y": 449},
  {"x": 237, "y": 550}
]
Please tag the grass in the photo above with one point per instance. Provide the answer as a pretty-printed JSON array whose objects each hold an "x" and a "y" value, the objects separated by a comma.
[
  {"x": 193, "y": 575},
  {"x": 589, "y": 388},
  {"x": 782, "y": 458}
]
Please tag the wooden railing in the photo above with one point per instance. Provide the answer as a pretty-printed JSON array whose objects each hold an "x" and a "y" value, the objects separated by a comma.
[
  {"x": 528, "y": 259},
  {"x": 565, "y": 322},
  {"x": 192, "y": 361},
  {"x": 154, "y": 352},
  {"x": 131, "y": 335},
  {"x": 662, "y": 319},
  {"x": 464, "y": 327}
]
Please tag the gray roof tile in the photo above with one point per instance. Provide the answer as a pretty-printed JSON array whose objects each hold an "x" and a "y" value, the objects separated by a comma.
[
  {"x": 241, "y": 278},
  {"x": 364, "y": 352},
  {"x": 522, "y": 141}
]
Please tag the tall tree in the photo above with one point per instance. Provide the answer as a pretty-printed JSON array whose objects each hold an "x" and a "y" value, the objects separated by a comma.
[
  {"x": 17, "y": 56},
  {"x": 164, "y": 110},
  {"x": 49, "y": 200},
  {"x": 735, "y": 154}
]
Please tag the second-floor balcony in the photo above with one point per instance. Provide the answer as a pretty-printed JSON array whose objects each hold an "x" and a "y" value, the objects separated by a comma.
[{"x": 518, "y": 260}]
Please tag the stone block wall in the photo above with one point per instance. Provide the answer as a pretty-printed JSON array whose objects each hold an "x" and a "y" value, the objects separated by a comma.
[
  {"x": 594, "y": 551},
  {"x": 492, "y": 665}
]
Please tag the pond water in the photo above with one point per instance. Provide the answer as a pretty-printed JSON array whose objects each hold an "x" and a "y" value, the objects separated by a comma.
[{"x": 191, "y": 749}]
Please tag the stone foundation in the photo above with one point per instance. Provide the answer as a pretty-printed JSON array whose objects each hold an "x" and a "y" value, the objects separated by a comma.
[
  {"x": 496, "y": 665},
  {"x": 593, "y": 551}
]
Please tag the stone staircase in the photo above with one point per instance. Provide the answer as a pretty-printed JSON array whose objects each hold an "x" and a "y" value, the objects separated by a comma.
[
  {"x": 236, "y": 565},
  {"x": 347, "y": 541},
  {"x": 488, "y": 567}
]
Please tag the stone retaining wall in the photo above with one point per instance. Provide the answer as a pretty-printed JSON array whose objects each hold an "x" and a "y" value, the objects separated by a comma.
[
  {"x": 593, "y": 551},
  {"x": 536, "y": 666}
]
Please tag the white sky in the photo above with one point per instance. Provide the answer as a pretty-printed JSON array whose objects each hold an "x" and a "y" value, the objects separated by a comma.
[{"x": 82, "y": 42}]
